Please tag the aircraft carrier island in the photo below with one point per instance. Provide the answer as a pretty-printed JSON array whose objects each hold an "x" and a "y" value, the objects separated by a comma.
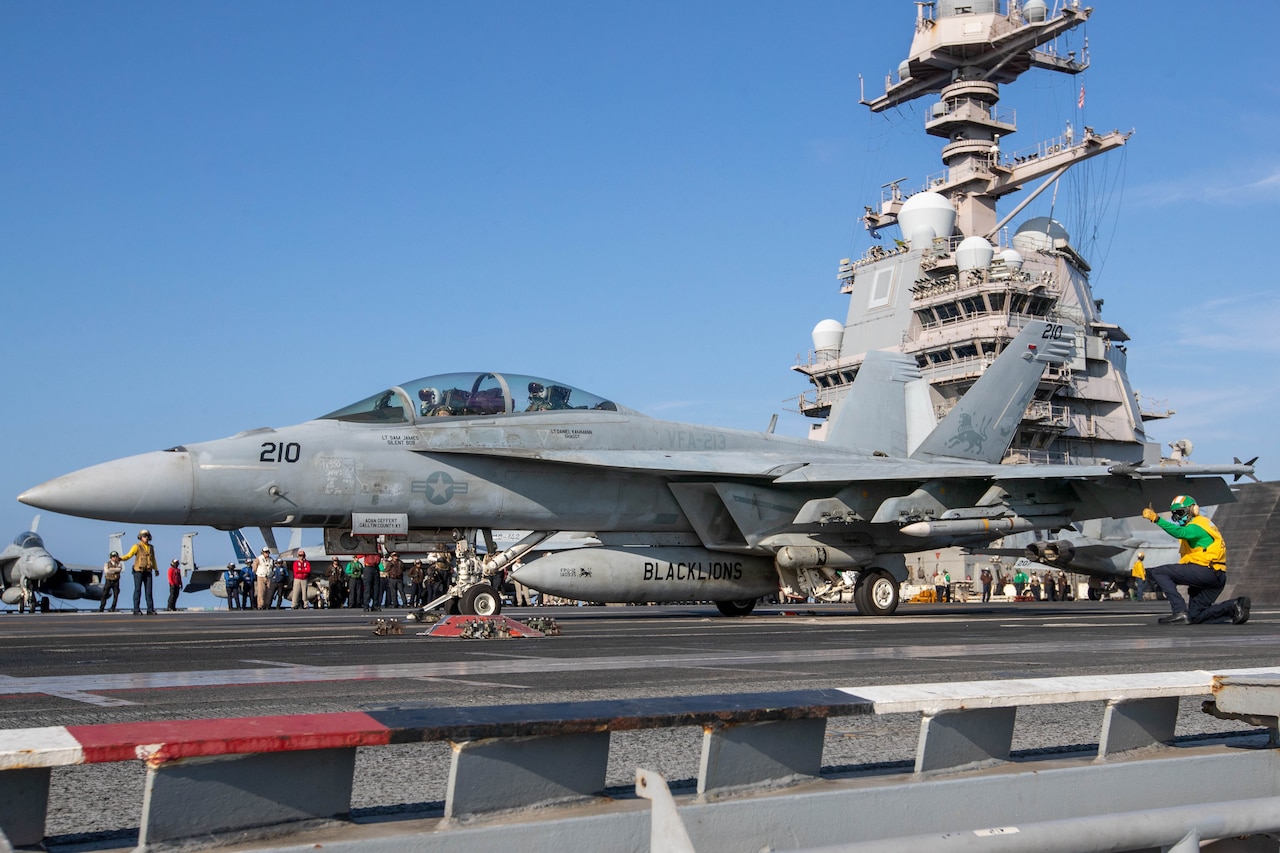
[{"x": 947, "y": 280}]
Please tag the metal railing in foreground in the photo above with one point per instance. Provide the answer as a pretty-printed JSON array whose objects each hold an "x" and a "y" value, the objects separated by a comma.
[{"x": 533, "y": 777}]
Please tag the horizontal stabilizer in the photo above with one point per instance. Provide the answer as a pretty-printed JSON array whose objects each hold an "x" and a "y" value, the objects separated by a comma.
[{"x": 980, "y": 427}]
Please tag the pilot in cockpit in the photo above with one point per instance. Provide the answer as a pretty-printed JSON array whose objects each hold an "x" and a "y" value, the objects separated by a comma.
[
  {"x": 539, "y": 400},
  {"x": 430, "y": 398},
  {"x": 558, "y": 395}
]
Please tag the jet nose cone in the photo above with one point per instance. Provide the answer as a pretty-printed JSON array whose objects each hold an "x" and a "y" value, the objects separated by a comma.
[
  {"x": 153, "y": 488},
  {"x": 42, "y": 568}
]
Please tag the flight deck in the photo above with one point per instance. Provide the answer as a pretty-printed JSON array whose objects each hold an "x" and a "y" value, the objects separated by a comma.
[{"x": 87, "y": 668}]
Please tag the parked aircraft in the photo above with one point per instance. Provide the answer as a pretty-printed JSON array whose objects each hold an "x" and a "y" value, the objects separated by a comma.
[
  {"x": 684, "y": 512},
  {"x": 1103, "y": 549},
  {"x": 31, "y": 574}
]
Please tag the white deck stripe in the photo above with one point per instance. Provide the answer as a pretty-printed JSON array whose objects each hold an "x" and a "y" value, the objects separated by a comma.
[
  {"x": 951, "y": 696},
  {"x": 68, "y": 686},
  {"x": 46, "y": 747}
]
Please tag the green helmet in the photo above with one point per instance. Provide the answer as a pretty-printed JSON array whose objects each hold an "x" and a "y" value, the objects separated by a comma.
[{"x": 1182, "y": 502}]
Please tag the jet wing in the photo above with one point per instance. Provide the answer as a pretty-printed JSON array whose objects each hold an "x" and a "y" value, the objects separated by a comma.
[
  {"x": 898, "y": 469},
  {"x": 1095, "y": 549},
  {"x": 81, "y": 574},
  {"x": 726, "y": 463}
]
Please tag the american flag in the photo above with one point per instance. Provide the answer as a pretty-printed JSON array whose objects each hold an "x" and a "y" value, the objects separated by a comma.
[{"x": 1080, "y": 100}]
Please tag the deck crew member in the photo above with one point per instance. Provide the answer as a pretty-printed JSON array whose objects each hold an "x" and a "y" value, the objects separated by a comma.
[
  {"x": 301, "y": 576},
  {"x": 111, "y": 582},
  {"x": 262, "y": 566},
  {"x": 1202, "y": 567},
  {"x": 143, "y": 554},
  {"x": 231, "y": 582},
  {"x": 175, "y": 584}
]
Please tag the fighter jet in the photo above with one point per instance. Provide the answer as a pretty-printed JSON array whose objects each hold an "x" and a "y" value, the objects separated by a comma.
[
  {"x": 683, "y": 512},
  {"x": 31, "y": 574}
]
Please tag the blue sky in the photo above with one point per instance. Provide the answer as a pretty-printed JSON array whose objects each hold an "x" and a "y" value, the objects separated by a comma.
[{"x": 219, "y": 216}]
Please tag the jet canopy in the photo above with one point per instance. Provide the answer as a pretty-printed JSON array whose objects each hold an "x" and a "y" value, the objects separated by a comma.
[
  {"x": 28, "y": 540},
  {"x": 461, "y": 394}
]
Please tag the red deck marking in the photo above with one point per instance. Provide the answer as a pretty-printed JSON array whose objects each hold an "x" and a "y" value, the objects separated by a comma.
[
  {"x": 168, "y": 740},
  {"x": 451, "y": 626}
]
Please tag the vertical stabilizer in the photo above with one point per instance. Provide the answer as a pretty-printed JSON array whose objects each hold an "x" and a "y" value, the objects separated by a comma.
[
  {"x": 240, "y": 545},
  {"x": 187, "y": 562},
  {"x": 981, "y": 426},
  {"x": 872, "y": 416}
]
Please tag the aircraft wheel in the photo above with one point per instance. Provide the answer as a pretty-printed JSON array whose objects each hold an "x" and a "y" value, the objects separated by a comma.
[
  {"x": 481, "y": 600},
  {"x": 45, "y": 605},
  {"x": 1095, "y": 593},
  {"x": 736, "y": 608},
  {"x": 877, "y": 594}
]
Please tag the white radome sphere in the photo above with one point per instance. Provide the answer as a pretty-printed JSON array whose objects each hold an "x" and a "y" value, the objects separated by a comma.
[
  {"x": 926, "y": 211},
  {"x": 828, "y": 335},
  {"x": 974, "y": 253},
  {"x": 1012, "y": 259}
]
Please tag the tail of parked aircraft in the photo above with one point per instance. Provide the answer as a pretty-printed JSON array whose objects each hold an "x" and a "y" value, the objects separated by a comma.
[
  {"x": 240, "y": 545},
  {"x": 198, "y": 579},
  {"x": 981, "y": 426},
  {"x": 872, "y": 416}
]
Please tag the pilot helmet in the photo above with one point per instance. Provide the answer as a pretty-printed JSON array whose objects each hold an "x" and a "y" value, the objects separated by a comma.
[
  {"x": 1141, "y": 556},
  {"x": 535, "y": 389},
  {"x": 266, "y": 550},
  {"x": 1182, "y": 509},
  {"x": 428, "y": 395},
  {"x": 144, "y": 532},
  {"x": 115, "y": 554},
  {"x": 173, "y": 562},
  {"x": 231, "y": 565},
  {"x": 302, "y": 553}
]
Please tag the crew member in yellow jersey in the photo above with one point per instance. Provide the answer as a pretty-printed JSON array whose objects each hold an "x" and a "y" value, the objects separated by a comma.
[
  {"x": 1138, "y": 577},
  {"x": 1202, "y": 568}
]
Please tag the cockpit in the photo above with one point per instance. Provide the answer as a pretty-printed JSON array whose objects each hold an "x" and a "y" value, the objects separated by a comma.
[
  {"x": 29, "y": 540},
  {"x": 469, "y": 394}
]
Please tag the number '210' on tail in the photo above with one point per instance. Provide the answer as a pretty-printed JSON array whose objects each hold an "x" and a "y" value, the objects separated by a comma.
[{"x": 982, "y": 424}]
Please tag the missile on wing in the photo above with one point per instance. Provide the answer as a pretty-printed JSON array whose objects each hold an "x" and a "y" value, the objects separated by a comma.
[
  {"x": 983, "y": 526},
  {"x": 638, "y": 575}
]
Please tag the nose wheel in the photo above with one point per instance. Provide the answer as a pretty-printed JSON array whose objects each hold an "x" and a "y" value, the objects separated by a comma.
[{"x": 481, "y": 600}]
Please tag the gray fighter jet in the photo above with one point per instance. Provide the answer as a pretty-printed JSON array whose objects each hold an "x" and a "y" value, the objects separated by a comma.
[
  {"x": 683, "y": 512},
  {"x": 31, "y": 574}
]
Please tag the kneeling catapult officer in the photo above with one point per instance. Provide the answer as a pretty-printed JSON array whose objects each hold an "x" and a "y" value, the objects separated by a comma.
[{"x": 1202, "y": 568}]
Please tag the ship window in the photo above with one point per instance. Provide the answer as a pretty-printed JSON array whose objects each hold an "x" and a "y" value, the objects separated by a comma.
[
  {"x": 947, "y": 311},
  {"x": 966, "y": 351},
  {"x": 926, "y": 315},
  {"x": 988, "y": 347},
  {"x": 940, "y": 357},
  {"x": 1039, "y": 306},
  {"x": 997, "y": 301},
  {"x": 1018, "y": 303},
  {"x": 881, "y": 288},
  {"x": 849, "y": 375},
  {"x": 973, "y": 305}
]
